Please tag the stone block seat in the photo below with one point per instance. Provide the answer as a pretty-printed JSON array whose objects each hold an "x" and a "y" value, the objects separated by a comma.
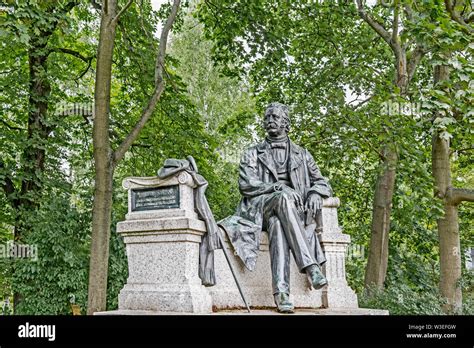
[{"x": 257, "y": 285}]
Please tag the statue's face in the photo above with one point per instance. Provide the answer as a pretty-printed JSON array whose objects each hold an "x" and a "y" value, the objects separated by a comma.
[{"x": 274, "y": 122}]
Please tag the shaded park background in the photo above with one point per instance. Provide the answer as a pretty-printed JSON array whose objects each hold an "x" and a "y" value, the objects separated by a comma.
[{"x": 225, "y": 62}]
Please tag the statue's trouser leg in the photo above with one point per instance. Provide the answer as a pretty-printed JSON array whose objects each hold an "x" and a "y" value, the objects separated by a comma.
[
  {"x": 279, "y": 256},
  {"x": 280, "y": 204}
]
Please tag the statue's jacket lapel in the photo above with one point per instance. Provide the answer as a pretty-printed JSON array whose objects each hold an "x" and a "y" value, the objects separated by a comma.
[
  {"x": 297, "y": 166},
  {"x": 265, "y": 157}
]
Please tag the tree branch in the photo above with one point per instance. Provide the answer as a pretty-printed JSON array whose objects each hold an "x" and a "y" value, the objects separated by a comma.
[
  {"x": 159, "y": 87},
  {"x": 455, "y": 16},
  {"x": 362, "y": 102},
  {"x": 73, "y": 53},
  {"x": 160, "y": 59},
  {"x": 8, "y": 71},
  {"x": 414, "y": 60},
  {"x": 146, "y": 146},
  {"x": 116, "y": 18},
  {"x": 458, "y": 195},
  {"x": 396, "y": 15},
  {"x": 9, "y": 126},
  {"x": 76, "y": 54},
  {"x": 379, "y": 29},
  {"x": 86, "y": 69},
  {"x": 463, "y": 150}
]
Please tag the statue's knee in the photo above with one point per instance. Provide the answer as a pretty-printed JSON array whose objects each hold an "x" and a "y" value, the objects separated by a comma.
[
  {"x": 286, "y": 201},
  {"x": 283, "y": 196},
  {"x": 273, "y": 222}
]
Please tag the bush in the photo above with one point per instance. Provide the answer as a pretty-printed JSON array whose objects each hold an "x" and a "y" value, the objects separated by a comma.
[
  {"x": 61, "y": 234},
  {"x": 402, "y": 300}
]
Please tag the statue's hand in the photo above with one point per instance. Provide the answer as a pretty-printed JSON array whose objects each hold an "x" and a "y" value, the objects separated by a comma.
[
  {"x": 294, "y": 195},
  {"x": 314, "y": 202}
]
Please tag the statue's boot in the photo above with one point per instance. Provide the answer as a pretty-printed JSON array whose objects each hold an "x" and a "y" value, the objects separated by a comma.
[
  {"x": 282, "y": 300},
  {"x": 318, "y": 280}
]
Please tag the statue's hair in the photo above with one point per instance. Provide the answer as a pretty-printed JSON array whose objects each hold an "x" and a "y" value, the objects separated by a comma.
[{"x": 286, "y": 112}]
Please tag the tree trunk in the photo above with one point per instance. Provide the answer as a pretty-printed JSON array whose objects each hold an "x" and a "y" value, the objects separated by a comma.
[
  {"x": 105, "y": 158},
  {"x": 24, "y": 200},
  {"x": 39, "y": 91},
  {"x": 33, "y": 156},
  {"x": 450, "y": 258},
  {"x": 448, "y": 226},
  {"x": 104, "y": 166},
  {"x": 376, "y": 269},
  {"x": 101, "y": 220}
]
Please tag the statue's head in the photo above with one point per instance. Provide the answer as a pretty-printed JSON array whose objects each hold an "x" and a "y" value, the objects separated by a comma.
[{"x": 277, "y": 119}]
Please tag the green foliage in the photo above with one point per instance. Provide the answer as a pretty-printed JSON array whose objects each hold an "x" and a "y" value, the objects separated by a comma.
[
  {"x": 6, "y": 236},
  {"x": 226, "y": 108},
  {"x": 400, "y": 299},
  {"x": 48, "y": 284},
  {"x": 224, "y": 65},
  {"x": 467, "y": 285},
  {"x": 58, "y": 221}
]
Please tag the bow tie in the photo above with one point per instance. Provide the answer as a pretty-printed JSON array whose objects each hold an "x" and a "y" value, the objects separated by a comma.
[{"x": 278, "y": 145}]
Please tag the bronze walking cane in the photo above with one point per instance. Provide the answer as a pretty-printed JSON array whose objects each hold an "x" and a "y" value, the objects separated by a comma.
[{"x": 233, "y": 273}]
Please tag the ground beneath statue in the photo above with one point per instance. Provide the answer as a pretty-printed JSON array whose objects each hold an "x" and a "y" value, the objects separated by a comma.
[{"x": 264, "y": 311}]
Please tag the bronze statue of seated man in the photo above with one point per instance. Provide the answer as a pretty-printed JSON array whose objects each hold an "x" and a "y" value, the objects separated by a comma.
[{"x": 282, "y": 191}]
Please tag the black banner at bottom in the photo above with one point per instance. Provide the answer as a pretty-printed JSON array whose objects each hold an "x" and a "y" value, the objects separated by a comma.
[{"x": 291, "y": 330}]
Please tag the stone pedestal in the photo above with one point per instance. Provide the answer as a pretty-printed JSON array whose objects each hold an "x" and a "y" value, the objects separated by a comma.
[
  {"x": 162, "y": 234},
  {"x": 337, "y": 294},
  {"x": 163, "y": 249}
]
